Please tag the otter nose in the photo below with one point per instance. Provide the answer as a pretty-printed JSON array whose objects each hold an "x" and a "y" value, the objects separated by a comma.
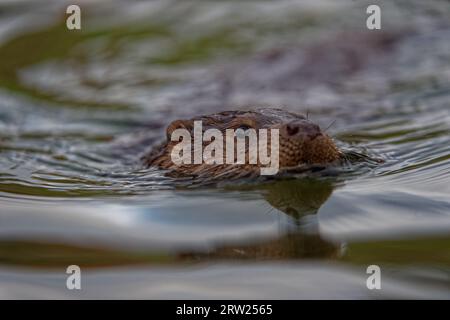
[{"x": 302, "y": 128}]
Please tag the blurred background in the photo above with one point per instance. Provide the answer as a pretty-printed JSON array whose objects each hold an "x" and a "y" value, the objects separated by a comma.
[{"x": 79, "y": 107}]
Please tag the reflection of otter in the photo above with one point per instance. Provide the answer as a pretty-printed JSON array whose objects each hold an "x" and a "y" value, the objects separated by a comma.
[
  {"x": 290, "y": 246},
  {"x": 300, "y": 142},
  {"x": 297, "y": 198}
]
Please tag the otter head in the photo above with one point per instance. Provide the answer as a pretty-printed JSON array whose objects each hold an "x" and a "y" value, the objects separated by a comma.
[{"x": 300, "y": 140}]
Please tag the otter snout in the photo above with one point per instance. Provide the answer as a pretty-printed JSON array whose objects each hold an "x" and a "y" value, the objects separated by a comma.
[{"x": 300, "y": 129}]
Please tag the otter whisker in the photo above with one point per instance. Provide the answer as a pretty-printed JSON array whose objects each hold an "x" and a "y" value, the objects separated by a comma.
[{"x": 329, "y": 126}]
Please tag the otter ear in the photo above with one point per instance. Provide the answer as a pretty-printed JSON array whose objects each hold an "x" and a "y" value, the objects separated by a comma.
[{"x": 179, "y": 124}]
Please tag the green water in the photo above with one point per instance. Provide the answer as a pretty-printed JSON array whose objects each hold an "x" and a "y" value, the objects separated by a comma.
[{"x": 78, "y": 109}]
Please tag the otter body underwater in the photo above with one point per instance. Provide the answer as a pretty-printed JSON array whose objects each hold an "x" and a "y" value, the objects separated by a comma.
[{"x": 301, "y": 142}]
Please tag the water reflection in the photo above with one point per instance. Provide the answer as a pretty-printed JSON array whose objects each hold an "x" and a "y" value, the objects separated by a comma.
[{"x": 278, "y": 215}]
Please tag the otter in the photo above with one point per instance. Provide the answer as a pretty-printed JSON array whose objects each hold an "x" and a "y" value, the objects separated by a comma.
[{"x": 301, "y": 142}]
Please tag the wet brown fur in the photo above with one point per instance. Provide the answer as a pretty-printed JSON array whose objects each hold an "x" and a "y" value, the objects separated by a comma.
[{"x": 293, "y": 151}]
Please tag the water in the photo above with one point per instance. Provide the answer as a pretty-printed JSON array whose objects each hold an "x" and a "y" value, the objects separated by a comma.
[{"x": 78, "y": 109}]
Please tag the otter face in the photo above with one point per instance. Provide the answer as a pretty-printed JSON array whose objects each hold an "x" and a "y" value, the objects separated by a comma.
[{"x": 300, "y": 141}]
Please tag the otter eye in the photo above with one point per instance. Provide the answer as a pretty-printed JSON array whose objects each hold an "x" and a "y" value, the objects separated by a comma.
[
  {"x": 240, "y": 131},
  {"x": 243, "y": 127}
]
